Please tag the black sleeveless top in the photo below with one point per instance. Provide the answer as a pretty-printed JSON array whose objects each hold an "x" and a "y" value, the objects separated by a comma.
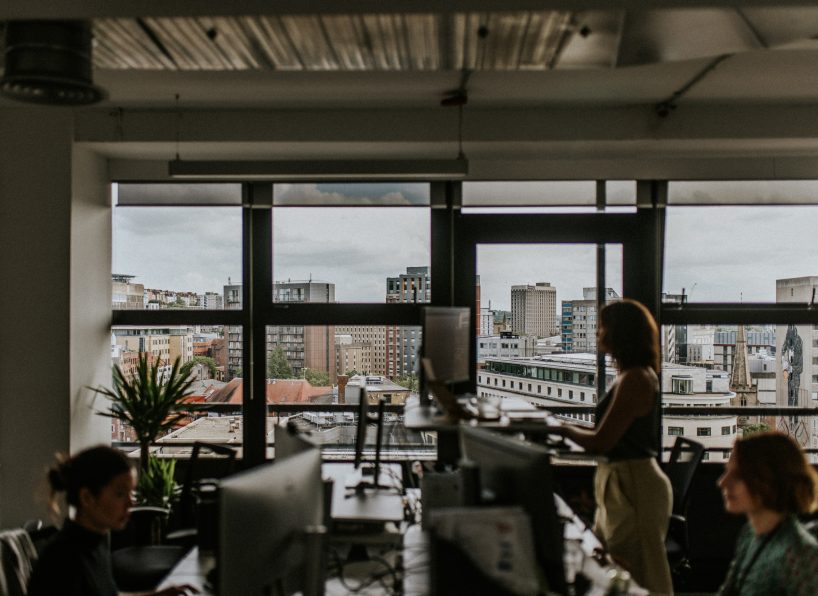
[{"x": 641, "y": 439}]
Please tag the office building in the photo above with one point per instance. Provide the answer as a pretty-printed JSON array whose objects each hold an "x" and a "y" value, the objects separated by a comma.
[
  {"x": 126, "y": 295},
  {"x": 402, "y": 342},
  {"x": 579, "y": 321},
  {"x": 306, "y": 347},
  {"x": 505, "y": 345},
  {"x": 534, "y": 309},
  {"x": 211, "y": 301},
  {"x": 233, "y": 301},
  {"x": 570, "y": 379}
]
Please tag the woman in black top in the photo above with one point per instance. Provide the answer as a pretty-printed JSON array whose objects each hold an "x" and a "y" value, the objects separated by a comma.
[
  {"x": 98, "y": 483},
  {"x": 633, "y": 495}
]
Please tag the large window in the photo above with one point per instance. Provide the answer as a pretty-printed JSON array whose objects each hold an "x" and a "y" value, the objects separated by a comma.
[{"x": 317, "y": 285}]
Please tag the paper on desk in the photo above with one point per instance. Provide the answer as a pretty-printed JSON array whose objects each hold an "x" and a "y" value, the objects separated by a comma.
[{"x": 497, "y": 540}]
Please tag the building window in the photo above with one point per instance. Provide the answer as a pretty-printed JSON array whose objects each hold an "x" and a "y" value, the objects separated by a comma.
[
  {"x": 570, "y": 394},
  {"x": 581, "y": 396},
  {"x": 559, "y": 392},
  {"x": 725, "y": 430},
  {"x": 705, "y": 456},
  {"x": 682, "y": 386},
  {"x": 703, "y": 431},
  {"x": 675, "y": 431}
]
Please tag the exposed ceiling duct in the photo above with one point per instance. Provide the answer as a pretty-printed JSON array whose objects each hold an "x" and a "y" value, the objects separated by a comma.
[{"x": 49, "y": 62}]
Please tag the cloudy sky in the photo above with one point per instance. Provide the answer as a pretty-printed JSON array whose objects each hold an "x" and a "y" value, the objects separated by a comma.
[{"x": 716, "y": 253}]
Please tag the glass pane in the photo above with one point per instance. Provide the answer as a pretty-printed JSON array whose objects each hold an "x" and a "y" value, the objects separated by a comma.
[
  {"x": 131, "y": 194},
  {"x": 509, "y": 194},
  {"x": 174, "y": 257},
  {"x": 324, "y": 365},
  {"x": 743, "y": 192},
  {"x": 537, "y": 336},
  {"x": 553, "y": 193},
  {"x": 311, "y": 358},
  {"x": 740, "y": 254},
  {"x": 206, "y": 354},
  {"x": 714, "y": 366},
  {"x": 352, "y": 194},
  {"x": 351, "y": 254}
]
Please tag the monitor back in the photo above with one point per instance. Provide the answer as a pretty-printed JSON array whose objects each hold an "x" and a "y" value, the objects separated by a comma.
[{"x": 263, "y": 514}]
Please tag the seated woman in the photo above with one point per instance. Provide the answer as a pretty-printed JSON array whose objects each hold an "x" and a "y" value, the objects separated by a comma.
[
  {"x": 633, "y": 495},
  {"x": 98, "y": 483},
  {"x": 769, "y": 480}
]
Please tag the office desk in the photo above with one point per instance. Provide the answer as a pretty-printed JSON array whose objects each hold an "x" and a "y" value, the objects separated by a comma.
[{"x": 512, "y": 419}]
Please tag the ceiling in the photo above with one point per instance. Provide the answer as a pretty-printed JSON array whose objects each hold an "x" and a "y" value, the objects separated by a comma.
[{"x": 516, "y": 58}]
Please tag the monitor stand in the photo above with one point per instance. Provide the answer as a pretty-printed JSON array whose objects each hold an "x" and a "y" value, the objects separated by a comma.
[{"x": 359, "y": 487}]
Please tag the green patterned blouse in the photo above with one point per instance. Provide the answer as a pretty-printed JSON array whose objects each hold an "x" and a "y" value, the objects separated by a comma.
[{"x": 784, "y": 561}]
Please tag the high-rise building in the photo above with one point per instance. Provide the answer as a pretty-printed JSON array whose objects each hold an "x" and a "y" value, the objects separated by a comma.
[
  {"x": 796, "y": 374},
  {"x": 232, "y": 301},
  {"x": 534, "y": 310},
  {"x": 306, "y": 347},
  {"x": 311, "y": 347},
  {"x": 579, "y": 321},
  {"x": 403, "y": 343}
]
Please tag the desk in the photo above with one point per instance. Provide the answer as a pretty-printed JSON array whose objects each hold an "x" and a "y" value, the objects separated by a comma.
[
  {"x": 427, "y": 417},
  {"x": 385, "y": 505},
  {"x": 581, "y": 553}
]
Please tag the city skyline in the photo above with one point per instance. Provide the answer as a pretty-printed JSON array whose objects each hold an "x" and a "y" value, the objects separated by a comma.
[{"x": 716, "y": 254}]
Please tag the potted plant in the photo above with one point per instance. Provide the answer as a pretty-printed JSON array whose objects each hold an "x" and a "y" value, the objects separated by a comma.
[{"x": 151, "y": 401}]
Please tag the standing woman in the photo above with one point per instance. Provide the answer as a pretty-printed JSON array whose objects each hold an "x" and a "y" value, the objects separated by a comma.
[
  {"x": 769, "y": 480},
  {"x": 633, "y": 495},
  {"x": 97, "y": 483}
]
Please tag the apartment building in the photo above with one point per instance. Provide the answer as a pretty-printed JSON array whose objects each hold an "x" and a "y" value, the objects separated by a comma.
[{"x": 578, "y": 328}]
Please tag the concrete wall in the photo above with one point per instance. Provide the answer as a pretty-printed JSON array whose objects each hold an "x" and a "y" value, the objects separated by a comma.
[
  {"x": 35, "y": 250},
  {"x": 90, "y": 327}
]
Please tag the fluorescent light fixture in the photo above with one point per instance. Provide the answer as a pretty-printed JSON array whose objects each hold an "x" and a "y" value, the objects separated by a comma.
[{"x": 339, "y": 169}]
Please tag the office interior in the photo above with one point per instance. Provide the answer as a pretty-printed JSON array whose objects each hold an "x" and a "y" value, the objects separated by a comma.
[{"x": 648, "y": 92}]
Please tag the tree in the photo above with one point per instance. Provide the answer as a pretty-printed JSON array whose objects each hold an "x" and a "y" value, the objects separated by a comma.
[
  {"x": 758, "y": 427},
  {"x": 187, "y": 367},
  {"x": 408, "y": 381},
  {"x": 316, "y": 377},
  {"x": 277, "y": 365},
  {"x": 351, "y": 373}
]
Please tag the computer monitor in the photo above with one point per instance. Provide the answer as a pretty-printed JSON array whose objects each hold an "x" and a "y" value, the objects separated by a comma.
[
  {"x": 514, "y": 472},
  {"x": 447, "y": 334},
  {"x": 266, "y": 518}
]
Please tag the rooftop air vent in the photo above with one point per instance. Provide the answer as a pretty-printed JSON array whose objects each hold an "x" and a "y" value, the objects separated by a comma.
[{"x": 49, "y": 62}]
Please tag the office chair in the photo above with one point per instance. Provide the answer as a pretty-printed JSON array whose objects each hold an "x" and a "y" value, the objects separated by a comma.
[{"x": 680, "y": 469}]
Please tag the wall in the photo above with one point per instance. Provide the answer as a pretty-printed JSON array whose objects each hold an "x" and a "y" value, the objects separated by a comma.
[
  {"x": 90, "y": 354},
  {"x": 35, "y": 248}
]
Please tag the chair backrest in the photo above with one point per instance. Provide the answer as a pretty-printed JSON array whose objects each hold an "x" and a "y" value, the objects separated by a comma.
[
  {"x": 680, "y": 469},
  {"x": 187, "y": 497}
]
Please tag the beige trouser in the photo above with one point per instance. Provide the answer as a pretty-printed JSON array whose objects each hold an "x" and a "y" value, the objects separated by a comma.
[{"x": 634, "y": 503}]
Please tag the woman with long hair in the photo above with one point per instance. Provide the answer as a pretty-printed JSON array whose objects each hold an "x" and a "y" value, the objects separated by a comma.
[
  {"x": 633, "y": 495},
  {"x": 769, "y": 480},
  {"x": 97, "y": 483}
]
